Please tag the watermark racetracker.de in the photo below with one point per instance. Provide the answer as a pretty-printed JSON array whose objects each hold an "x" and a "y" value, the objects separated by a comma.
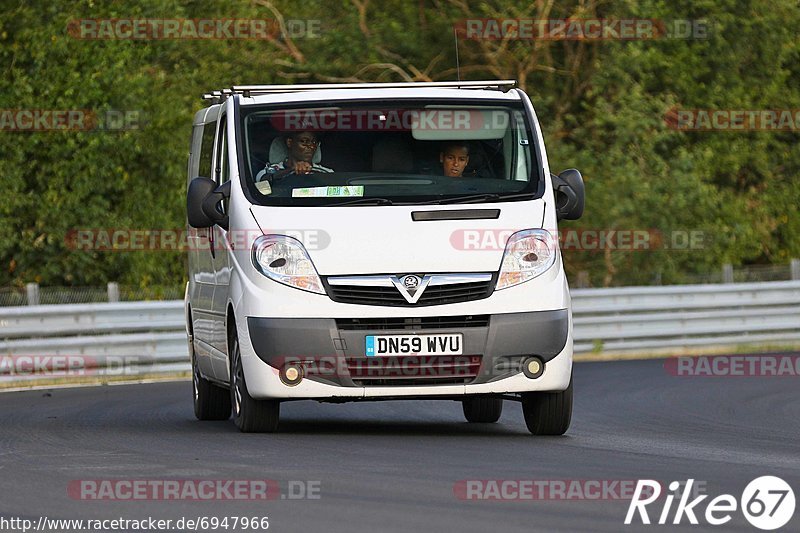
[
  {"x": 52, "y": 120},
  {"x": 587, "y": 239},
  {"x": 733, "y": 120},
  {"x": 580, "y": 29},
  {"x": 182, "y": 240},
  {"x": 136, "y": 489},
  {"x": 68, "y": 365},
  {"x": 750, "y": 365},
  {"x": 140, "y": 29}
]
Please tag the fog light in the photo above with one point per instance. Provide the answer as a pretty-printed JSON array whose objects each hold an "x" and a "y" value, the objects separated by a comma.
[
  {"x": 291, "y": 375},
  {"x": 533, "y": 367}
]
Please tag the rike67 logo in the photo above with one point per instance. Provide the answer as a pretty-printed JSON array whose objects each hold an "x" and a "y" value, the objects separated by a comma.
[{"x": 767, "y": 502}]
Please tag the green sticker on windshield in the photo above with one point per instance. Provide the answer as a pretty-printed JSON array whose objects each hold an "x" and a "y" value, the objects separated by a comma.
[{"x": 328, "y": 192}]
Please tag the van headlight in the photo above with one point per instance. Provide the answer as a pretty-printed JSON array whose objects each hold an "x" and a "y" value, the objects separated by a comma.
[
  {"x": 285, "y": 260},
  {"x": 528, "y": 254}
]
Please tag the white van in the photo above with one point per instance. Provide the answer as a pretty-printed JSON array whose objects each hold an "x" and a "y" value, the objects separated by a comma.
[{"x": 373, "y": 242}]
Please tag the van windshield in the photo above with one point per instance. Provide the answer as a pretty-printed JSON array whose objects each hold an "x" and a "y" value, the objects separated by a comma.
[{"x": 389, "y": 153}]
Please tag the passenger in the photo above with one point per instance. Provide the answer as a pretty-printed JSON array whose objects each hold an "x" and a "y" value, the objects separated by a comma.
[
  {"x": 454, "y": 158},
  {"x": 301, "y": 146}
]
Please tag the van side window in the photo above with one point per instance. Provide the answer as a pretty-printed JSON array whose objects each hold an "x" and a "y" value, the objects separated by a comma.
[
  {"x": 221, "y": 174},
  {"x": 523, "y": 153},
  {"x": 206, "y": 150},
  {"x": 221, "y": 161}
]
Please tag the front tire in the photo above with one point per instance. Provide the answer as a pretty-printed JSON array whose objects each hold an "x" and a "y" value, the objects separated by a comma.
[
  {"x": 210, "y": 402},
  {"x": 482, "y": 410},
  {"x": 548, "y": 413},
  {"x": 250, "y": 415}
]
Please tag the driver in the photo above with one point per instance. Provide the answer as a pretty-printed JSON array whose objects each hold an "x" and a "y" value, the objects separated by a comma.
[{"x": 301, "y": 147}]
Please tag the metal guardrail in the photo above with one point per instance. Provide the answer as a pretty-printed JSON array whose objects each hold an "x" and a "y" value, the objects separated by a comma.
[
  {"x": 676, "y": 318},
  {"x": 149, "y": 337}
]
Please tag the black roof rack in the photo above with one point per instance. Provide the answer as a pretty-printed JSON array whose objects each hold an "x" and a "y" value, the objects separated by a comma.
[{"x": 252, "y": 90}]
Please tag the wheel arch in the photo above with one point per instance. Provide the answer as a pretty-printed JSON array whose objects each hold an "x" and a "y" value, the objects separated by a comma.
[{"x": 230, "y": 325}]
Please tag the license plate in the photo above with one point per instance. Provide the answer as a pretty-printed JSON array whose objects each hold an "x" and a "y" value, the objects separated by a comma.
[{"x": 449, "y": 344}]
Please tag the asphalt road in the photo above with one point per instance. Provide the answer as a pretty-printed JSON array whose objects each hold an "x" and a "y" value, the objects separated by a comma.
[{"x": 393, "y": 466}]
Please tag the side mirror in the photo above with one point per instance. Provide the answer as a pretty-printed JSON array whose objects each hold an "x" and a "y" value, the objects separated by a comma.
[
  {"x": 202, "y": 203},
  {"x": 569, "y": 194}
]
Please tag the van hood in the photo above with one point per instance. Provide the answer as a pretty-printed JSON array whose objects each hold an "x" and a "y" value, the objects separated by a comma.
[{"x": 354, "y": 240}]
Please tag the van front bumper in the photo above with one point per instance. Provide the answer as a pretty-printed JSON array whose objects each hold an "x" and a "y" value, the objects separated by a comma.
[{"x": 333, "y": 351}]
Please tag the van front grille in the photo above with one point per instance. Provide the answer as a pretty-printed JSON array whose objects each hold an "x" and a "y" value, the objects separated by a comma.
[
  {"x": 414, "y": 323},
  {"x": 408, "y": 371},
  {"x": 390, "y": 296}
]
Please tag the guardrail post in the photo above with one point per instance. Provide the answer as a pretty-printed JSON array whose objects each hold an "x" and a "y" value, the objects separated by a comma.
[
  {"x": 727, "y": 273},
  {"x": 33, "y": 293},
  {"x": 113, "y": 291},
  {"x": 795, "y": 266}
]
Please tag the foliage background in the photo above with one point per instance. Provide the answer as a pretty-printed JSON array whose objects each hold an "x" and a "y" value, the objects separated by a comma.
[{"x": 602, "y": 106}]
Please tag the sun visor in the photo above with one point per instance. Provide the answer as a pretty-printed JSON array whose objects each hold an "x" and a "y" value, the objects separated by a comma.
[{"x": 460, "y": 124}]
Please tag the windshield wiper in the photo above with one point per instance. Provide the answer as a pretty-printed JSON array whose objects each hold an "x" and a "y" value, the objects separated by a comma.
[
  {"x": 468, "y": 199},
  {"x": 478, "y": 198},
  {"x": 361, "y": 201}
]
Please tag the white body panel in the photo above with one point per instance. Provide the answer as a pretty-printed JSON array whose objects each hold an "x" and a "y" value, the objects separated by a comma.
[{"x": 381, "y": 239}]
